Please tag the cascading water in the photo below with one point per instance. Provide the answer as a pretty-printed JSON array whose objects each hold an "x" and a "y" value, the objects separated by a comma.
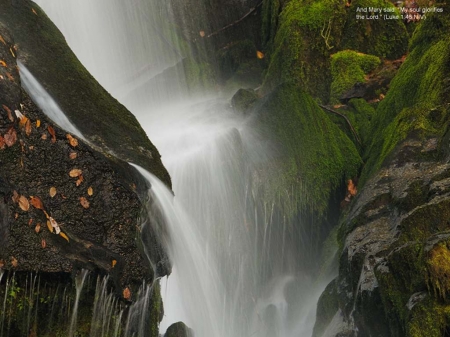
[{"x": 238, "y": 263}]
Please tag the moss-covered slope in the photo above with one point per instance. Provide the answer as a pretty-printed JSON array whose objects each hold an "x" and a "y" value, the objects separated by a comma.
[{"x": 104, "y": 121}]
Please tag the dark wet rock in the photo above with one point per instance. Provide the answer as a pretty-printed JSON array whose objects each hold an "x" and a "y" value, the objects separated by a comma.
[
  {"x": 242, "y": 100},
  {"x": 99, "y": 116},
  {"x": 179, "y": 329},
  {"x": 98, "y": 210}
]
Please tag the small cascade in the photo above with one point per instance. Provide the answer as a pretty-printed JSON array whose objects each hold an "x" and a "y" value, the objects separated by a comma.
[
  {"x": 45, "y": 102},
  {"x": 79, "y": 283}
]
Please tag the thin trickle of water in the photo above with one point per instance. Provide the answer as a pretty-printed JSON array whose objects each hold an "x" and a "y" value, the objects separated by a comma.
[{"x": 79, "y": 283}]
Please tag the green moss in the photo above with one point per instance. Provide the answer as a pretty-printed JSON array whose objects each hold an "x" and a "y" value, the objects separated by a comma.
[
  {"x": 270, "y": 11},
  {"x": 308, "y": 31},
  {"x": 314, "y": 155},
  {"x": 155, "y": 310},
  {"x": 349, "y": 67},
  {"x": 438, "y": 266},
  {"x": 428, "y": 319},
  {"x": 383, "y": 38},
  {"x": 414, "y": 93}
]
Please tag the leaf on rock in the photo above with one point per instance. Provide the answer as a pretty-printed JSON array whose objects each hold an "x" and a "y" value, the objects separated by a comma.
[
  {"x": 55, "y": 225},
  {"x": 23, "y": 203},
  {"x": 36, "y": 202},
  {"x": 28, "y": 127},
  {"x": 2, "y": 263},
  {"x": 43, "y": 243},
  {"x": 90, "y": 191},
  {"x": 73, "y": 155},
  {"x": 2, "y": 143},
  {"x": 38, "y": 123},
  {"x": 34, "y": 12},
  {"x": 79, "y": 180},
  {"x": 49, "y": 226},
  {"x": 10, "y": 137},
  {"x": 30, "y": 222},
  {"x": 51, "y": 131},
  {"x": 52, "y": 191},
  {"x": 259, "y": 54},
  {"x": 8, "y": 111},
  {"x": 351, "y": 188},
  {"x": 113, "y": 263},
  {"x": 44, "y": 136},
  {"x": 2, "y": 41},
  {"x": 84, "y": 202},
  {"x": 11, "y": 77},
  {"x": 75, "y": 173},
  {"x": 126, "y": 293},
  {"x": 3, "y": 64},
  {"x": 72, "y": 141},
  {"x": 14, "y": 262},
  {"x": 64, "y": 236},
  {"x": 202, "y": 33},
  {"x": 15, "y": 197},
  {"x": 12, "y": 53},
  {"x": 37, "y": 229}
]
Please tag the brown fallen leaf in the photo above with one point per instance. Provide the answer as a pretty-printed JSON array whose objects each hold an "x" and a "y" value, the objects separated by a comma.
[
  {"x": 79, "y": 180},
  {"x": 15, "y": 197},
  {"x": 10, "y": 77},
  {"x": 126, "y": 293},
  {"x": 2, "y": 143},
  {"x": 38, "y": 123},
  {"x": 36, "y": 202},
  {"x": 23, "y": 203},
  {"x": 3, "y": 64},
  {"x": 14, "y": 262},
  {"x": 37, "y": 229},
  {"x": 51, "y": 131},
  {"x": 44, "y": 136},
  {"x": 113, "y": 263},
  {"x": 52, "y": 191},
  {"x": 2, "y": 41},
  {"x": 8, "y": 111},
  {"x": 84, "y": 202},
  {"x": 75, "y": 173},
  {"x": 202, "y": 33},
  {"x": 43, "y": 243},
  {"x": 64, "y": 236},
  {"x": 34, "y": 12},
  {"x": 90, "y": 191},
  {"x": 10, "y": 137},
  {"x": 12, "y": 53},
  {"x": 72, "y": 141},
  {"x": 73, "y": 155},
  {"x": 49, "y": 226},
  {"x": 28, "y": 127},
  {"x": 30, "y": 222},
  {"x": 259, "y": 54}
]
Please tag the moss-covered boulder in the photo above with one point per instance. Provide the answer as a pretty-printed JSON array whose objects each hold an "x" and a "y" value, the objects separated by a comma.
[
  {"x": 179, "y": 329},
  {"x": 348, "y": 68},
  {"x": 243, "y": 100},
  {"x": 100, "y": 117},
  {"x": 312, "y": 156},
  {"x": 380, "y": 37}
]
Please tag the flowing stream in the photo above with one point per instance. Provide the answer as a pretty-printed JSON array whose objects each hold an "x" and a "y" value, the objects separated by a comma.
[{"x": 238, "y": 264}]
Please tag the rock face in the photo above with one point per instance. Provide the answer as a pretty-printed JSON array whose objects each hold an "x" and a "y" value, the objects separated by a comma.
[
  {"x": 65, "y": 206},
  {"x": 179, "y": 329}
]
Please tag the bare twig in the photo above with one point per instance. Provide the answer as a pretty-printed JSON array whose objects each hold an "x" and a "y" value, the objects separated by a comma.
[
  {"x": 235, "y": 22},
  {"x": 346, "y": 119},
  {"x": 326, "y": 33}
]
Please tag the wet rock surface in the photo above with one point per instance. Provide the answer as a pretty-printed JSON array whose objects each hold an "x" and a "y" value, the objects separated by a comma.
[
  {"x": 179, "y": 329},
  {"x": 63, "y": 205}
]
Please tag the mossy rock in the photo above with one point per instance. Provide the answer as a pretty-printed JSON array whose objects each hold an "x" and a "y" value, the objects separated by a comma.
[
  {"x": 100, "y": 117},
  {"x": 179, "y": 329},
  {"x": 349, "y": 67},
  {"x": 327, "y": 307},
  {"x": 383, "y": 38},
  {"x": 313, "y": 156},
  {"x": 420, "y": 88},
  {"x": 243, "y": 99}
]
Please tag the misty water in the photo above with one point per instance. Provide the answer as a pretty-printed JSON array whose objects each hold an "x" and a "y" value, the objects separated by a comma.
[{"x": 239, "y": 267}]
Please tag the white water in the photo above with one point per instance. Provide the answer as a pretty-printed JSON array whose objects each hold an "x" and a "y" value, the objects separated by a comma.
[{"x": 238, "y": 267}]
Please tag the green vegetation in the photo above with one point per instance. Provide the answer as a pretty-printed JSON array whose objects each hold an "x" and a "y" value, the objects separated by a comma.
[
  {"x": 349, "y": 67},
  {"x": 314, "y": 155}
]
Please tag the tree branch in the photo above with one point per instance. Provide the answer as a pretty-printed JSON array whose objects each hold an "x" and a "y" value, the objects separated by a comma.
[{"x": 347, "y": 120}]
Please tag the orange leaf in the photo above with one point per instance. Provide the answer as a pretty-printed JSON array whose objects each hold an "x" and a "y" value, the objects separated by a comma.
[
  {"x": 79, "y": 180},
  {"x": 90, "y": 191},
  {"x": 84, "y": 202},
  {"x": 24, "y": 204},
  {"x": 8, "y": 111},
  {"x": 11, "y": 78},
  {"x": 43, "y": 243},
  {"x": 126, "y": 293},
  {"x": 113, "y": 263},
  {"x": 2, "y": 41},
  {"x": 3, "y": 64},
  {"x": 351, "y": 188},
  {"x": 28, "y": 127},
  {"x": 36, "y": 202},
  {"x": 2, "y": 143},
  {"x": 75, "y": 173},
  {"x": 30, "y": 222},
  {"x": 259, "y": 54},
  {"x": 52, "y": 191},
  {"x": 72, "y": 141},
  {"x": 37, "y": 229},
  {"x": 49, "y": 226},
  {"x": 64, "y": 236},
  {"x": 72, "y": 155},
  {"x": 38, "y": 123},
  {"x": 44, "y": 136},
  {"x": 10, "y": 137},
  {"x": 51, "y": 131}
]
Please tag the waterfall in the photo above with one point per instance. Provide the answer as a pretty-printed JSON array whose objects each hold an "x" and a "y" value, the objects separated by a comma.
[
  {"x": 79, "y": 283},
  {"x": 239, "y": 268}
]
